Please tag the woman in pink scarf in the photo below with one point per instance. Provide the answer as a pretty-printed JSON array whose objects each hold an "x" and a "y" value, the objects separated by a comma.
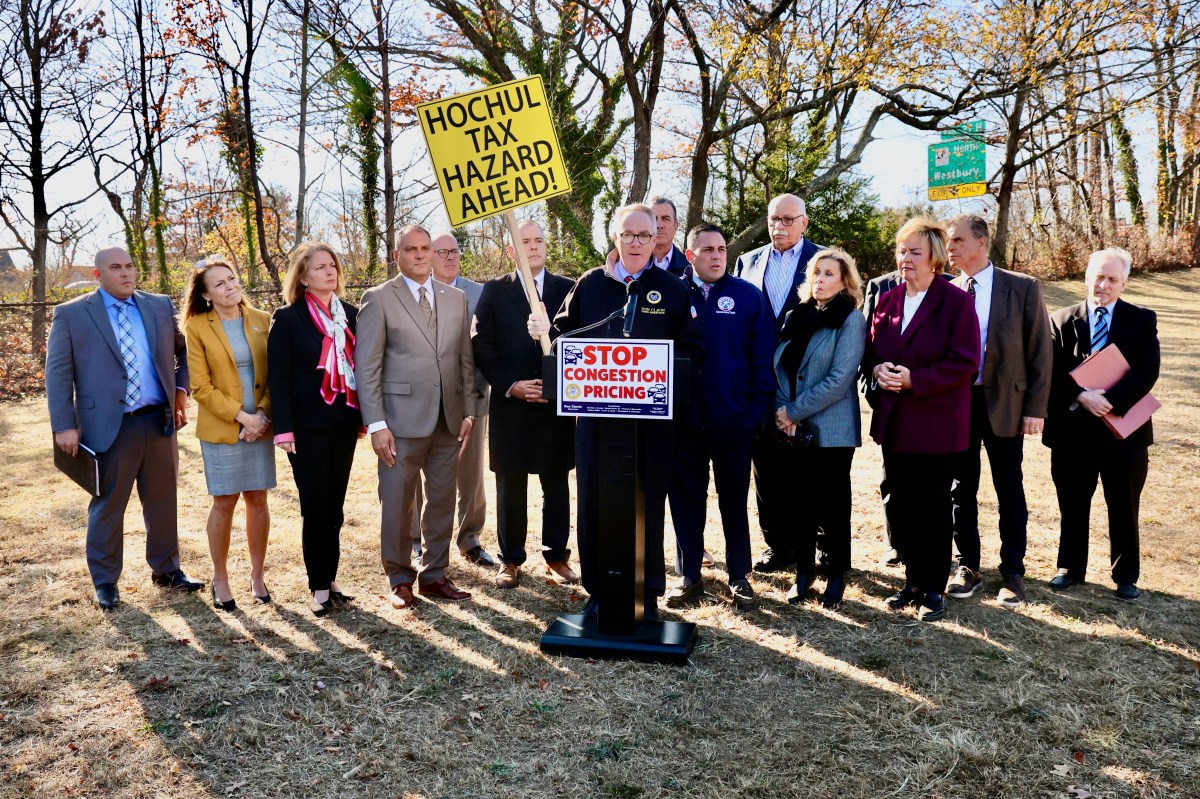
[{"x": 310, "y": 356}]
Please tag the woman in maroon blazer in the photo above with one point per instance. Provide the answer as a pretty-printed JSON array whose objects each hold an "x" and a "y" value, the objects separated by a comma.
[{"x": 922, "y": 354}]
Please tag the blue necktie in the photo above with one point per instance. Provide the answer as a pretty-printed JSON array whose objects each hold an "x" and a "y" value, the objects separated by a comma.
[
  {"x": 133, "y": 384},
  {"x": 1100, "y": 332}
]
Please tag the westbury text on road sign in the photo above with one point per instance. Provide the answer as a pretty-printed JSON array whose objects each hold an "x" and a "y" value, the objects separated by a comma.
[
  {"x": 494, "y": 149},
  {"x": 958, "y": 166}
]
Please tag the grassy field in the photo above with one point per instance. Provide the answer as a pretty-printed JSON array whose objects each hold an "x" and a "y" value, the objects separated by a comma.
[{"x": 1072, "y": 695}]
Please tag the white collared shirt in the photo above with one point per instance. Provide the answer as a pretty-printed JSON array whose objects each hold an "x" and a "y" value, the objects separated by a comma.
[
  {"x": 413, "y": 286},
  {"x": 665, "y": 263},
  {"x": 539, "y": 281},
  {"x": 983, "y": 310}
]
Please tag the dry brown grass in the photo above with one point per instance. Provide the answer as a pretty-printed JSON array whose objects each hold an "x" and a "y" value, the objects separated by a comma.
[{"x": 168, "y": 698}]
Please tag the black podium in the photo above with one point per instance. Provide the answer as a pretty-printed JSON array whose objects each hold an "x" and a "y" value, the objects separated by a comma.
[{"x": 619, "y": 629}]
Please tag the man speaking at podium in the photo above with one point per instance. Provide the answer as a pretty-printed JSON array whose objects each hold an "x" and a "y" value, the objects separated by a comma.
[{"x": 662, "y": 310}]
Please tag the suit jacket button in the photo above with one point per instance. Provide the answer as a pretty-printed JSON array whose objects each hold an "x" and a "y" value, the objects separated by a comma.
[
  {"x": 256, "y": 385},
  {"x": 435, "y": 385}
]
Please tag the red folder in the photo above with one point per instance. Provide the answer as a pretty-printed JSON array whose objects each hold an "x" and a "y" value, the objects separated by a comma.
[{"x": 1104, "y": 369}]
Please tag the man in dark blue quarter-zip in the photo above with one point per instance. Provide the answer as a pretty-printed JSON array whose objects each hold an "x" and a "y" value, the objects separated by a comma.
[{"x": 738, "y": 384}]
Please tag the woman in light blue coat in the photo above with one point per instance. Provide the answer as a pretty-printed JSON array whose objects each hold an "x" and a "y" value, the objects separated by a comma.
[{"x": 816, "y": 411}]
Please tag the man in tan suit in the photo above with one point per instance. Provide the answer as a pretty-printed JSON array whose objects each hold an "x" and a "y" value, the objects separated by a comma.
[
  {"x": 1008, "y": 401},
  {"x": 416, "y": 380}
]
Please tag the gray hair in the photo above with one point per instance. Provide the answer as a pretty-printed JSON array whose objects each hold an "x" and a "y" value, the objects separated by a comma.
[
  {"x": 1098, "y": 258},
  {"x": 973, "y": 222},
  {"x": 626, "y": 210},
  {"x": 665, "y": 201}
]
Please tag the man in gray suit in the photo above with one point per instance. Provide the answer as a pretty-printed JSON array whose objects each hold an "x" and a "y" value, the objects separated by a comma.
[
  {"x": 116, "y": 383},
  {"x": 417, "y": 392},
  {"x": 1008, "y": 401},
  {"x": 472, "y": 505}
]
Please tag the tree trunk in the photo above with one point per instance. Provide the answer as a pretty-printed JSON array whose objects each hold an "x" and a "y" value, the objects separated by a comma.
[
  {"x": 260, "y": 221},
  {"x": 389, "y": 187},
  {"x": 1008, "y": 176},
  {"x": 302, "y": 128}
]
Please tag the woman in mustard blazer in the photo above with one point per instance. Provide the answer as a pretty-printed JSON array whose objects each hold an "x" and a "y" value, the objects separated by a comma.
[{"x": 227, "y": 357}]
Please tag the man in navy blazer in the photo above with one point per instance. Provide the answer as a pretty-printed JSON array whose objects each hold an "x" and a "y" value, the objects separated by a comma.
[
  {"x": 777, "y": 270},
  {"x": 1082, "y": 449},
  {"x": 738, "y": 385},
  {"x": 666, "y": 223},
  {"x": 116, "y": 383}
]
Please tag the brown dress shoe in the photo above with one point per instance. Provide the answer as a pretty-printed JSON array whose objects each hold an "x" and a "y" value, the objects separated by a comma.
[
  {"x": 402, "y": 596},
  {"x": 509, "y": 576},
  {"x": 562, "y": 573},
  {"x": 444, "y": 589}
]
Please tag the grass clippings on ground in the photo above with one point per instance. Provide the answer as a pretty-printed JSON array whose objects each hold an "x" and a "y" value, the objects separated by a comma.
[{"x": 1073, "y": 695}]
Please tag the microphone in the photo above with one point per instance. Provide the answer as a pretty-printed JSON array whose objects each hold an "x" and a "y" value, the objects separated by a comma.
[{"x": 632, "y": 290}]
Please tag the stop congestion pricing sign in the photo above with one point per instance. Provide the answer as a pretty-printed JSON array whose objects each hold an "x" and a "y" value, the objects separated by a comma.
[
  {"x": 958, "y": 163},
  {"x": 494, "y": 149}
]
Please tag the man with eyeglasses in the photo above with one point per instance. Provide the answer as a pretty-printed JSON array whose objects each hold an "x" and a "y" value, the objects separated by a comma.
[
  {"x": 663, "y": 312},
  {"x": 777, "y": 269},
  {"x": 472, "y": 504}
]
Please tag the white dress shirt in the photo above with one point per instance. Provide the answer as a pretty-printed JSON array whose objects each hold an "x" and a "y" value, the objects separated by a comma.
[
  {"x": 911, "y": 304},
  {"x": 983, "y": 310}
]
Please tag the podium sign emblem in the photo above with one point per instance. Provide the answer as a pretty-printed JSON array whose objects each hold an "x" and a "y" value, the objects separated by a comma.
[{"x": 616, "y": 378}]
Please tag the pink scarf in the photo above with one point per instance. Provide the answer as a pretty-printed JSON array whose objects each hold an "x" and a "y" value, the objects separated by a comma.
[{"x": 337, "y": 350}]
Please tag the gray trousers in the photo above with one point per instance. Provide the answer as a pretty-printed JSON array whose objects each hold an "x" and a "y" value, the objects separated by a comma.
[
  {"x": 472, "y": 505},
  {"x": 399, "y": 497},
  {"x": 140, "y": 454}
]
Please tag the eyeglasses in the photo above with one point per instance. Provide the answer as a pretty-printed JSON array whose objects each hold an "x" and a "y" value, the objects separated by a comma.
[
  {"x": 449, "y": 253},
  {"x": 640, "y": 238},
  {"x": 786, "y": 221}
]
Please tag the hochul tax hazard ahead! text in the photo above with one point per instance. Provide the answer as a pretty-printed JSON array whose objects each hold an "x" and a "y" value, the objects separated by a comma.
[{"x": 494, "y": 149}]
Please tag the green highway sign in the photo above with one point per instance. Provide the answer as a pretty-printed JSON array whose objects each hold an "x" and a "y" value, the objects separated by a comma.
[
  {"x": 967, "y": 130},
  {"x": 958, "y": 168}
]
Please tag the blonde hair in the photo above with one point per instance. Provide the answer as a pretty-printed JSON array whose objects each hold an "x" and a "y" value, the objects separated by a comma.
[
  {"x": 851, "y": 280},
  {"x": 933, "y": 234},
  {"x": 293, "y": 289}
]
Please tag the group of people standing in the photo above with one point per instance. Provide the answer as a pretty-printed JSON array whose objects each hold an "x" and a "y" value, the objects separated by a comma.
[{"x": 780, "y": 346}]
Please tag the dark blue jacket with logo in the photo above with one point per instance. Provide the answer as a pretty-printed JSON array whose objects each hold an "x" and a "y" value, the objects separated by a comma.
[{"x": 739, "y": 341}]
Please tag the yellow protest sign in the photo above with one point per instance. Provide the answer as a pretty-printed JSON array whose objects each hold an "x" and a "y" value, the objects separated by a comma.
[{"x": 494, "y": 149}]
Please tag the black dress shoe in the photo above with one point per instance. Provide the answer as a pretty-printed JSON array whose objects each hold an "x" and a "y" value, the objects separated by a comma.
[
  {"x": 1064, "y": 580},
  {"x": 904, "y": 597},
  {"x": 834, "y": 589},
  {"x": 773, "y": 561},
  {"x": 799, "y": 590},
  {"x": 479, "y": 556},
  {"x": 107, "y": 596},
  {"x": 1127, "y": 591},
  {"x": 177, "y": 579},
  {"x": 265, "y": 599},
  {"x": 320, "y": 609},
  {"x": 339, "y": 598},
  {"x": 228, "y": 605},
  {"x": 933, "y": 607}
]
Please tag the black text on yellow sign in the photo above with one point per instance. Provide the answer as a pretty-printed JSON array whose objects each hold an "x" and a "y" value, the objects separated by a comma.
[{"x": 494, "y": 149}]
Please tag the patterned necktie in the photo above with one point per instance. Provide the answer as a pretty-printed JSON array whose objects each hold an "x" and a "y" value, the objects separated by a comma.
[
  {"x": 705, "y": 288},
  {"x": 778, "y": 280},
  {"x": 133, "y": 379},
  {"x": 971, "y": 286},
  {"x": 1100, "y": 332},
  {"x": 423, "y": 304},
  {"x": 629, "y": 278}
]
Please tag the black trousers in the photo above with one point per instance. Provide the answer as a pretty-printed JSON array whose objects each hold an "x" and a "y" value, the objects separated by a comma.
[
  {"x": 824, "y": 472},
  {"x": 1122, "y": 469},
  {"x": 512, "y": 515},
  {"x": 922, "y": 519},
  {"x": 1005, "y": 455},
  {"x": 775, "y": 492},
  {"x": 321, "y": 467},
  {"x": 729, "y": 453}
]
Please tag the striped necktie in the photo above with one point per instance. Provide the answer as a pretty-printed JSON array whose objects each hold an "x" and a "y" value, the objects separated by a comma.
[
  {"x": 133, "y": 378},
  {"x": 1100, "y": 330}
]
